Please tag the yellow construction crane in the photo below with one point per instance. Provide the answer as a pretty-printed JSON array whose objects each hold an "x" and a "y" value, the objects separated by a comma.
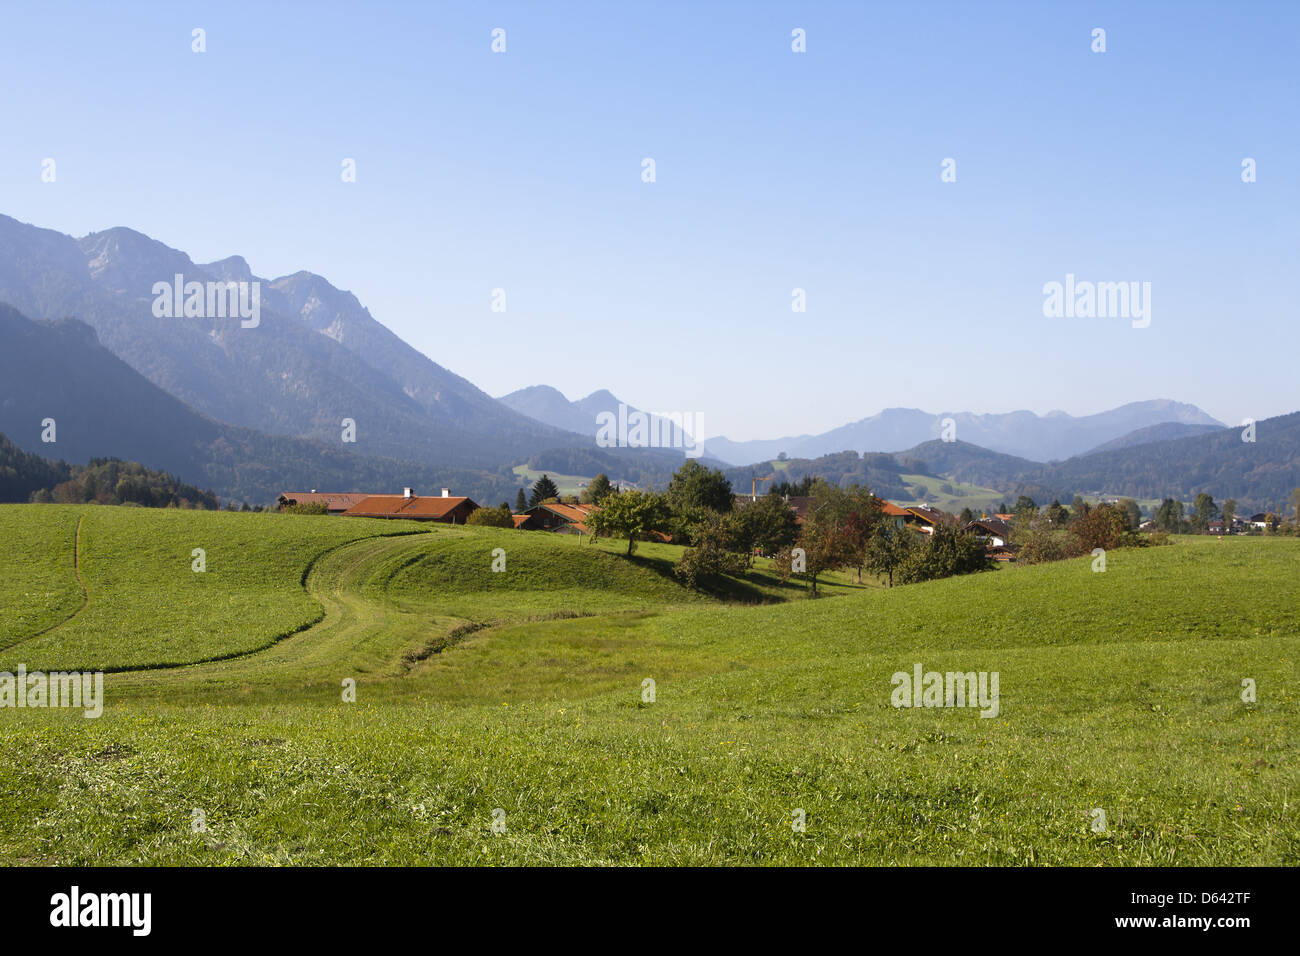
[{"x": 753, "y": 486}]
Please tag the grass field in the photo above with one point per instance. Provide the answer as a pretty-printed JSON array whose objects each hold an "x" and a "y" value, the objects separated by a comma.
[
  {"x": 521, "y": 692},
  {"x": 567, "y": 484},
  {"x": 975, "y": 497}
]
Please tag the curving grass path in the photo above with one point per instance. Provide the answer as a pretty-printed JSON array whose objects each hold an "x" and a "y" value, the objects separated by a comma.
[
  {"x": 355, "y": 636},
  {"x": 390, "y": 605}
]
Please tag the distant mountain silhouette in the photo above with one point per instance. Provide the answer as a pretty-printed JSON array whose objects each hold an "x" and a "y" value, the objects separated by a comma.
[
  {"x": 1165, "y": 431},
  {"x": 1043, "y": 438},
  {"x": 546, "y": 404},
  {"x": 1259, "y": 474}
]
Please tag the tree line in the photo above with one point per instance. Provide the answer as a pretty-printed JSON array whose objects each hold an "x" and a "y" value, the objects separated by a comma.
[
  {"x": 25, "y": 477},
  {"x": 842, "y": 529}
]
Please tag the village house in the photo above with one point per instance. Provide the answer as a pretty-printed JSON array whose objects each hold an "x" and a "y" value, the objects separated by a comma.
[
  {"x": 927, "y": 519},
  {"x": 994, "y": 532},
  {"x": 894, "y": 513},
  {"x": 799, "y": 504},
  {"x": 553, "y": 516},
  {"x": 446, "y": 508}
]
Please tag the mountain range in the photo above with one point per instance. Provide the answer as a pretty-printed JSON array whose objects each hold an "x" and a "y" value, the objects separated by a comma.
[
  {"x": 548, "y": 405},
  {"x": 1024, "y": 434},
  {"x": 316, "y": 357},
  {"x": 251, "y": 409},
  {"x": 1043, "y": 438},
  {"x": 1260, "y": 473},
  {"x": 101, "y": 407}
]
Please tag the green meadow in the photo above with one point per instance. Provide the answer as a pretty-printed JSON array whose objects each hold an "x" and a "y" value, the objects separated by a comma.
[
  {"x": 961, "y": 494},
  {"x": 523, "y": 697}
]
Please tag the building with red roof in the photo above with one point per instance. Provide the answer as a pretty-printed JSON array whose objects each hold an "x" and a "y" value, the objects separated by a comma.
[{"x": 447, "y": 508}]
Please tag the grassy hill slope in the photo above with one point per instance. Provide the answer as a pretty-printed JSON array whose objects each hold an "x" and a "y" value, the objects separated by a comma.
[{"x": 477, "y": 692}]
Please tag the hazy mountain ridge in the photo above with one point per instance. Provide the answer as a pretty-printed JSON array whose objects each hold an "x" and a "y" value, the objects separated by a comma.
[
  {"x": 1259, "y": 474},
  {"x": 543, "y": 403},
  {"x": 1165, "y": 431},
  {"x": 550, "y": 406},
  {"x": 1051, "y": 437}
]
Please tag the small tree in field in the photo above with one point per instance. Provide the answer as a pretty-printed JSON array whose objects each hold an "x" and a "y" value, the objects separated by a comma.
[
  {"x": 888, "y": 549},
  {"x": 629, "y": 514},
  {"x": 768, "y": 525},
  {"x": 1203, "y": 511},
  {"x": 1102, "y": 527},
  {"x": 709, "y": 558},
  {"x": 824, "y": 549},
  {"x": 694, "y": 486},
  {"x": 1169, "y": 517}
]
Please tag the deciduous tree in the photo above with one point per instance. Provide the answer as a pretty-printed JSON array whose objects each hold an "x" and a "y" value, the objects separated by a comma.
[
  {"x": 694, "y": 486},
  {"x": 630, "y": 514}
]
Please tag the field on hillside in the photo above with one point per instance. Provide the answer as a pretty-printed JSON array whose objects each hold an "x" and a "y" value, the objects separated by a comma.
[
  {"x": 521, "y": 698},
  {"x": 952, "y": 496},
  {"x": 567, "y": 484}
]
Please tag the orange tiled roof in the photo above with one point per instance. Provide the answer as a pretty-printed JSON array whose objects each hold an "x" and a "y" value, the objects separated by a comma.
[
  {"x": 573, "y": 513},
  {"x": 399, "y": 506},
  {"x": 891, "y": 509}
]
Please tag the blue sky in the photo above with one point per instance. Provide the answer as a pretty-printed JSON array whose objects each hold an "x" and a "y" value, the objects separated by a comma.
[{"x": 775, "y": 170}]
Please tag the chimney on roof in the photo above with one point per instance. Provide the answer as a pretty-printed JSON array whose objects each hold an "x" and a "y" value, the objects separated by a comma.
[
  {"x": 406, "y": 493},
  {"x": 446, "y": 492}
]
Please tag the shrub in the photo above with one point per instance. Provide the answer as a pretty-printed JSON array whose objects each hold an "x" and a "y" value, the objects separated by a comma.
[
  {"x": 491, "y": 517},
  {"x": 708, "y": 559},
  {"x": 1103, "y": 527},
  {"x": 314, "y": 508},
  {"x": 947, "y": 552},
  {"x": 1042, "y": 546}
]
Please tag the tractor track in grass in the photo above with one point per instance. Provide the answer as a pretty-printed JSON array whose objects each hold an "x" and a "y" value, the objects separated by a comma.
[
  {"x": 81, "y": 583},
  {"x": 354, "y": 636}
]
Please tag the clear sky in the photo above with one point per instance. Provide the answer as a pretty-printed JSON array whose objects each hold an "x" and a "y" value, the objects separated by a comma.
[{"x": 774, "y": 170}]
